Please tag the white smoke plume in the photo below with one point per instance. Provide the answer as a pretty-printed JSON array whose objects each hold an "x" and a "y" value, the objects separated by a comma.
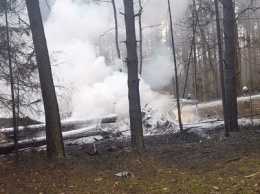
[
  {"x": 72, "y": 27},
  {"x": 160, "y": 63}
]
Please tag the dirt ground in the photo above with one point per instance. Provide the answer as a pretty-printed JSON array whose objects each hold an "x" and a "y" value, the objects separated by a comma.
[{"x": 168, "y": 164}]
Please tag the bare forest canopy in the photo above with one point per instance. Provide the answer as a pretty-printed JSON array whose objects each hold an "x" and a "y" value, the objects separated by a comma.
[{"x": 81, "y": 42}]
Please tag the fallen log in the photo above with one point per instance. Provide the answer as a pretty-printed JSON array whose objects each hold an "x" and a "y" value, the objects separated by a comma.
[
  {"x": 74, "y": 124},
  {"x": 66, "y": 125},
  {"x": 39, "y": 141}
]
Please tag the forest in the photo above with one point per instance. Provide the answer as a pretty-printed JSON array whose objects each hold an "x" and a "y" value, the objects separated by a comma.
[{"x": 129, "y": 96}]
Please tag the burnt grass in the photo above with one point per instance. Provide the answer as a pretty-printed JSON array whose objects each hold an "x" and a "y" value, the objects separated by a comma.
[{"x": 169, "y": 164}]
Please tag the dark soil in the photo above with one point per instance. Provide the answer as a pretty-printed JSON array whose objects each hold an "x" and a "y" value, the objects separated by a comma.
[{"x": 169, "y": 164}]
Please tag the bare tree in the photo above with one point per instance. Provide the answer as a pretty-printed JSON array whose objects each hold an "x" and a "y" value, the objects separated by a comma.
[
  {"x": 141, "y": 38},
  {"x": 194, "y": 16},
  {"x": 116, "y": 29},
  {"x": 12, "y": 86},
  {"x": 133, "y": 80},
  {"x": 24, "y": 68},
  {"x": 175, "y": 69},
  {"x": 229, "y": 65},
  {"x": 55, "y": 146},
  {"x": 221, "y": 69}
]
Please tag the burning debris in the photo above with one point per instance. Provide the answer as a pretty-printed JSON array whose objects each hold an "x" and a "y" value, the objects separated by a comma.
[
  {"x": 147, "y": 112},
  {"x": 154, "y": 122},
  {"x": 110, "y": 128},
  {"x": 96, "y": 152}
]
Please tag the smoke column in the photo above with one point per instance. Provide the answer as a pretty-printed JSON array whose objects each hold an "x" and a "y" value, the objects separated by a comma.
[{"x": 71, "y": 28}]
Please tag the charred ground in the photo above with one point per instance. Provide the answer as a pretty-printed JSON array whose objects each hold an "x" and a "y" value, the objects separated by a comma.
[{"x": 169, "y": 164}]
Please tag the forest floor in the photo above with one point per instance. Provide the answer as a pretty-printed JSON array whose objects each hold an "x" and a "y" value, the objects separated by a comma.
[{"x": 168, "y": 164}]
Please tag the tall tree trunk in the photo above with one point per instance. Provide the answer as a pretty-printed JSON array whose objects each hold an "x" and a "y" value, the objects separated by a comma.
[
  {"x": 192, "y": 55},
  {"x": 229, "y": 67},
  {"x": 116, "y": 29},
  {"x": 254, "y": 57},
  {"x": 141, "y": 38},
  {"x": 221, "y": 69},
  {"x": 133, "y": 80},
  {"x": 187, "y": 71},
  {"x": 185, "y": 57},
  {"x": 237, "y": 61},
  {"x": 194, "y": 49},
  {"x": 175, "y": 70},
  {"x": 55, "y": 146},
  {"x": 249, "y": 46},
  {"x": 213, "y": 60},
  {"x": 205, "y": 79}
]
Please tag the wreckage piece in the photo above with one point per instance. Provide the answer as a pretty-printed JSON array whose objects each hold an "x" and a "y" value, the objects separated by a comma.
[
  {"x": 74, "y": 124},
  {"x": 189, "y": 102},
  {"x": 39, "y": 141},
  {"x": 2, "y": 138},
  {"x": 66, "y": 125},
  {"x": 23, "y": 129},
  {"x": 125, "y": 174}
]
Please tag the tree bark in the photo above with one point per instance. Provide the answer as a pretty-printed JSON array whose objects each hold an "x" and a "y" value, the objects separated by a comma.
[
  {"x": 133, "y": 80},
  {"x": 116, "y": 29},
  {"x": 55, "y": 146},
  {"x": 175, "y": 70},
  {"x": 221, "y": 69},
  {"x": 229, "y": 65},
  {"x": 194, "y": 50},
  {"x": 205, "y": 79},
  {"x": 141, "y": 38},
  {"x": 249, "y": 48},
  {"x": 237, "y": 61}
]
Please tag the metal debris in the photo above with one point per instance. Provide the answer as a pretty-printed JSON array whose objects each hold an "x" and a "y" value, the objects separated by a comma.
[{"x": 125, "y": 174}]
